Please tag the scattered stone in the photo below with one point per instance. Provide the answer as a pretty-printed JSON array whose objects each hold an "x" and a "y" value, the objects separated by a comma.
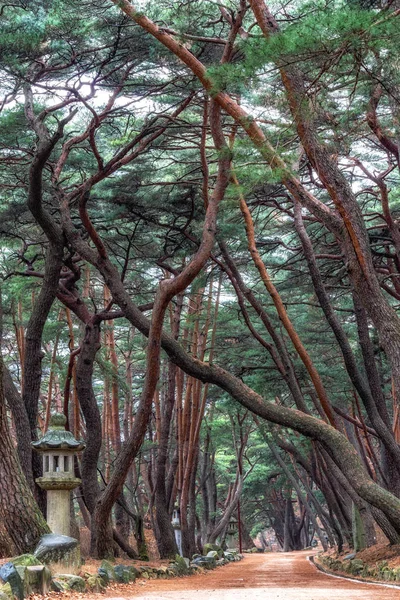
[
  {"x": 229, "y": 556},
  {"x": 125, "y": 574},
  {"x": 38, "y": 579},
  {"x": 106, "y": 571},
  {"x": 56, "y": 586},
  {"x": 26, "y": 560},
  {"x": 209, "y": 547},
  {"x": 162, "y": 573},
  {"x": 212, "y": 554},
  {"x": 172, "y": 572},
  {"x": 95, "y": 583},
  {"x": 357, "y": 566},
  {"x": 9, "y": 574},
  {"x": 196, "y": 568},
  {"x": 71, "y": 582},
  {"x": 204, "y": 561},
  {"x": 122, "y": 574},
  {"x": 6, "y": 592},
  {"x": 350, "y": 556},
  {"x": 182, "y": 564},
  {"x": 135, "y": 573}
]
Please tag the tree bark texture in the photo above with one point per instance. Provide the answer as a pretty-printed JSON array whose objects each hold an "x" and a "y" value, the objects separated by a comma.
[{"x": 19, "y": 513}]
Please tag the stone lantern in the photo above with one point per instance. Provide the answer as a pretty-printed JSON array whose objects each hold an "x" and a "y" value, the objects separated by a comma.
[
  {"x": 176, "y": 524},
  {"x": 231, "y": 532},
  {"x": 58, "y": 447}
]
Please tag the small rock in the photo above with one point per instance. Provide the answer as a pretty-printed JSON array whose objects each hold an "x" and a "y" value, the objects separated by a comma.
[
  {"x": 350, "y": 556},
  {"x": 6, "y": 592},
  {"x": 121, "y": 574},
  {"x": 182, "y": 564},
  {"x": 357, "y": 566},
  {"x": 72, "y": 582},
  {"x": 221, "y": 561},
  {"x": 95, "y": 583},
  {"x": 26, "y": 560},
  {"x": 38, "y": 578},
  {"x": 229, "y": 556},
  {"x": 196, "y": 568},
  {"x": 106, "y": 571},
  {"x": 56, "y": 586},
  {"x": 9, "y": 574},
  {"x": 162, "y": 573},
  {"x": 204, "y": 561},
  {"x": 212, "y": 547}
]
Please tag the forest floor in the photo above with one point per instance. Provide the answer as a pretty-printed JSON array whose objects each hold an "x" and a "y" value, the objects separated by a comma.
[
  {"x": 275, "y": 576},
  {"x": 379, "y": 552}
]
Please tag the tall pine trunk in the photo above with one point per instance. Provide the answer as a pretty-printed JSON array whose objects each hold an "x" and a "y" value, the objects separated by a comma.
[{"x": 23, "y": 523}]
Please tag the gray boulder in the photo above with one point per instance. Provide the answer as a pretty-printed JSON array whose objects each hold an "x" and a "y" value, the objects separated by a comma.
[
  {"x": 52, "y": 547},
  {"x": 60, "y": 553}
]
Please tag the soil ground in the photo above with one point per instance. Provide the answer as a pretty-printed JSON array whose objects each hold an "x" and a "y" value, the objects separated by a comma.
[
  {"x": 259, "y": 576},
  {"x": 379, "y": 552}
]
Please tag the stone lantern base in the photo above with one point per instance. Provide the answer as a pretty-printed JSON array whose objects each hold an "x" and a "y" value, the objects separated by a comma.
[
  {"x": 60, "y": 553},
  {"x": 58, "y": 502}
]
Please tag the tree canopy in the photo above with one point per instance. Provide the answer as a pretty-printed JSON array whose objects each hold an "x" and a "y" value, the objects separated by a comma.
[{"x": 200, "y": 266}]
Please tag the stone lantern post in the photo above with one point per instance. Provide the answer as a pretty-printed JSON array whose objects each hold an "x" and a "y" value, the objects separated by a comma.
[
  {"x": 58, "y": 447},
  {"x": 176, "y": 524},
  {"x": 231, "y": 532}
]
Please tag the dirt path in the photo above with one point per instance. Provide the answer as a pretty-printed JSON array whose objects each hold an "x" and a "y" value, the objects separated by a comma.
[{"x": 259, "y": 576}]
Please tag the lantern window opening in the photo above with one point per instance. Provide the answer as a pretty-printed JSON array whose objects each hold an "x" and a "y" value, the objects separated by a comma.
[
  {"x": 47, "y": 463},
  {"x": 66, "y": 464},
  {"x": 56, "y": 463}
]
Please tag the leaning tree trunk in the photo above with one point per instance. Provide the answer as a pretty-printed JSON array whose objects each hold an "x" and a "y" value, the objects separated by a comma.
[{"x": 20, "y": 515}]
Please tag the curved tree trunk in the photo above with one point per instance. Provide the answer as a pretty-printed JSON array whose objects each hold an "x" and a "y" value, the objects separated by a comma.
[{"x": 87, "y": 401}]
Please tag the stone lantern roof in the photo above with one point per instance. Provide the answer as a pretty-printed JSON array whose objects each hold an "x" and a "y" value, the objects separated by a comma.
[{"x": 57, "y": 438}]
